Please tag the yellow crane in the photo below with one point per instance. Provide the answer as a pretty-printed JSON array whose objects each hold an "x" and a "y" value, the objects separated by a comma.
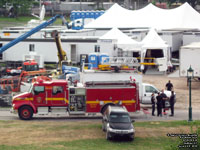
[{"x": 61, "y": 53}]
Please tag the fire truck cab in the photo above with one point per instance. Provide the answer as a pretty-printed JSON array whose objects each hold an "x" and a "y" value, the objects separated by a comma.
[
  {"x": 60, "y": 97},
  {"x": 30, "y": 65}
]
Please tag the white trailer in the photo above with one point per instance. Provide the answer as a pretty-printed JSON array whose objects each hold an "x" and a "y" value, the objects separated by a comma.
[
  {"x": 190, "y": 37},
  {"x": 190, "y": 56},
  {"x": 73, "y": 46}
]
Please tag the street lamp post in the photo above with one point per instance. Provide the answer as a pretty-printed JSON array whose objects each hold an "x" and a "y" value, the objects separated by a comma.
[{"x": 190, "y": 74}]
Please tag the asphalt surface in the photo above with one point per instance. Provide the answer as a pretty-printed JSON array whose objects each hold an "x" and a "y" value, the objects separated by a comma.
[{"x": 137, "y": 116}]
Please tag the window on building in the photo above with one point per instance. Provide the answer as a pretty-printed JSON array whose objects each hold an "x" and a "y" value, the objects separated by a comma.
[
  {"x": 31, "y": 47},
  {"x": 120, "y": 52},
  {"x": 97, "y": 48}
]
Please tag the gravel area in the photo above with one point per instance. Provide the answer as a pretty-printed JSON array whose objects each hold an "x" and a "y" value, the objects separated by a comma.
[{"x": 180, "y": 87}]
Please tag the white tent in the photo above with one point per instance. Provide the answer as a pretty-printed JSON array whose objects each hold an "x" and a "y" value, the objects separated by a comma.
[
  {"x": 154, "y": 43},
  {"x": 183, "y": 17},
  {"x": 121, "y": 40},
  {"x": 153, "y": 40}
]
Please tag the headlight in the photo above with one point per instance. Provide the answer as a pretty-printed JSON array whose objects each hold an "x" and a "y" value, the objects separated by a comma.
[
  {"x": 109, "y": 128},
  {"x": 131, "y": 130},
  {"x": 13, "y": 105}
]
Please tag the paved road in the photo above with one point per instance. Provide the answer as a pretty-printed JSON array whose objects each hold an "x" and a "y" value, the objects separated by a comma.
[{"x": 138, "y": 116}]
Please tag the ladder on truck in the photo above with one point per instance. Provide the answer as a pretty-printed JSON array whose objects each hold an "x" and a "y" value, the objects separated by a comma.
[
  {"x": 120, "y": 61},
  {"x": 126, "y": 83}
]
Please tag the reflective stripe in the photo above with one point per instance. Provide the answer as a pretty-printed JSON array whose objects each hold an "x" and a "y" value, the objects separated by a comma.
[
  {"x": 87, "y": 102},
  {"x": 24, "y": 99},
  {"x": 57, "y": 99},
  {"x": 47, "y": 99},
  {"x": 148, "y": 63},
  {"x": 92, "y": 102},
  {"x": 128, "y": 101}
]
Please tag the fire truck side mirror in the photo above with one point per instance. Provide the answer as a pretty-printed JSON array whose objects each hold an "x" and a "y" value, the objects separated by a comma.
[{"x": 35, "y": 92}]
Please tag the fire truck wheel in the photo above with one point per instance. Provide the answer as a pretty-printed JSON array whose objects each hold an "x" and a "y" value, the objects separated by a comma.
[{"x": 25, "y": 113}]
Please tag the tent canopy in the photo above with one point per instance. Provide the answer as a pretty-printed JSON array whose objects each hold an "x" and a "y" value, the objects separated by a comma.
[
  {"x": 153, "y": 40},
  {"x": 182, "y": 17},
  {"x": 122, "y": 40}
]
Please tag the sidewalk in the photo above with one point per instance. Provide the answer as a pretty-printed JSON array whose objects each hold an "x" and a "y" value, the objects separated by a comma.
[
  {"x": 137, "y": 116},
  {"x": 178, "y": 115}
]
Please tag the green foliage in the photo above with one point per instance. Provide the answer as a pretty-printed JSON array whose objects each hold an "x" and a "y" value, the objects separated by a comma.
[
  {"x": 156, "y": 124},
  {"x": 20, "y": 7},
  {"x": 154, "y": 2},
  {"x": 193, "y": 3}
]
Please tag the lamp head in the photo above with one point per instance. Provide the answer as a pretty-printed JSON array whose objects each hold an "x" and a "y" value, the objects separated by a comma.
[{"x": 190, "y": 72}]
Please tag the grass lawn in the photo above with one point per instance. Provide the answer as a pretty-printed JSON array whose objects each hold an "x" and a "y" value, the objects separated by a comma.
[
  {"x": 87, "y": 135},
  {"x": 10, "y": 22}
]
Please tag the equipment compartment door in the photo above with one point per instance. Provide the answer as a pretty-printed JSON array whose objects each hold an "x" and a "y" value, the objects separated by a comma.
[
  {"x": 77, "y": 103},
  {"x": 77, "y": 100}
]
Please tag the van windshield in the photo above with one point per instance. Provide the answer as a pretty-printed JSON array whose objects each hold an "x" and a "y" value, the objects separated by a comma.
[{"x": 120, "y": 118}]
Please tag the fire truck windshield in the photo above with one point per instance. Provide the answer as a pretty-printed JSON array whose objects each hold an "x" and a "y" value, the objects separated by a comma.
[{"x": 31, "y": 67}]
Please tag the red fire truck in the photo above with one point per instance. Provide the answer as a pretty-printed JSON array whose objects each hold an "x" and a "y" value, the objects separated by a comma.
[{"x": 60, "y": 97}]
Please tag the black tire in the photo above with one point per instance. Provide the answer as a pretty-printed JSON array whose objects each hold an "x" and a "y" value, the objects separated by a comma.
[
  {"x": 25, "y": 113},
  {"x": 131, "y": 138}
]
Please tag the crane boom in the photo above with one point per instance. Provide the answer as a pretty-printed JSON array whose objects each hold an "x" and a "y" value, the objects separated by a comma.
[
  {"x": 29, "y": 33},
  {"x": 61, "y": 52}
]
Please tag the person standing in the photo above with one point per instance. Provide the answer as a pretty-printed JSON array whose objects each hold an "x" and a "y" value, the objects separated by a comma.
[
  {"x": 153, "y": 103},
  {"x": 169, "y": 86},
  {"x": 164, "y": 98},
  {"x": 172, "y": 101},
  {"x": 159, "y": 105}
]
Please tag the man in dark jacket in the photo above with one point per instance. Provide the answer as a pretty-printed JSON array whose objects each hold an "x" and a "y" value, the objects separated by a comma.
[
  {"x": 172, "y": 101},
  {"x": 164, "y": 98},
  {"x": 159, "y": 105},
  {"x": 153, "y": 103},
  {"x": 169, "y": 86}
]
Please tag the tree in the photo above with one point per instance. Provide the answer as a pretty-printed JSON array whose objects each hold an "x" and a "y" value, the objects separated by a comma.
[
  {"x": 19, "y": 7},
  {"x": 193, "y": 3}
]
